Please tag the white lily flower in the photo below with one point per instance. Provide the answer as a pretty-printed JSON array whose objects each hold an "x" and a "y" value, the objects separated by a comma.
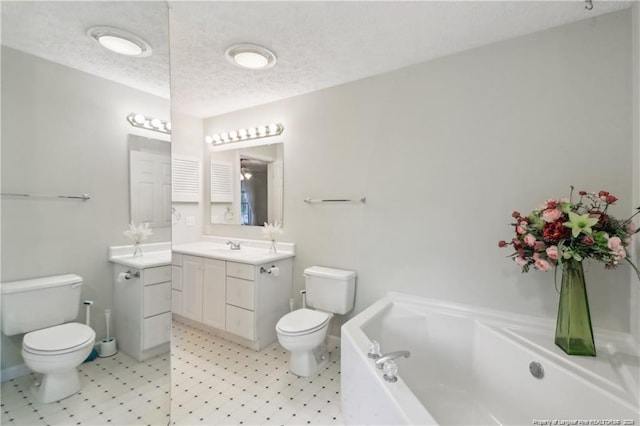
[
  {"x": 271, "y": 232},
  {"x": 138, "y": 234}
]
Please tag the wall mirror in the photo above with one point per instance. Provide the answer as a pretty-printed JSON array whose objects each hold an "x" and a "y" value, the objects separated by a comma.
[
  {"x": 150, "y": 181},
  {"x": 245, "y": 185},
  {"x": 66, "y": 134}
]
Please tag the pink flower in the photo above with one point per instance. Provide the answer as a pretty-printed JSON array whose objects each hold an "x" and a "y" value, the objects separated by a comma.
[
  {"x": 551, "y": 215},
  {"x": 521, "y": 260},
  {"x": 614, "y": 243},
  {"x": 631, "y": 228},
  {"x": 539, "y": 246},
  {"x": 552, "y": 252},
  {"x": 530, "y": 240},
  {"x": 543, "y": 265},
  {"x": 620, "y": 253},
  {"x": 520, "y": 230}
]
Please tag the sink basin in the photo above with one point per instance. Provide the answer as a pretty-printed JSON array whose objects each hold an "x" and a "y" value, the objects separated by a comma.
[{"x": 242, "y": 253}]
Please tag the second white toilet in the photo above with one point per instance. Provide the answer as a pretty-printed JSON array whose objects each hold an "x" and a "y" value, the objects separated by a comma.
[
  {"x": 54, "y": 345},
  {"x": 303, "y": 332}
]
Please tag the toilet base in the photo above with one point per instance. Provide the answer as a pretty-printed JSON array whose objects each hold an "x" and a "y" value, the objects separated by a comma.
[
  {"x": 55, "y": 386},
  {"x": 308, "y": 363}
]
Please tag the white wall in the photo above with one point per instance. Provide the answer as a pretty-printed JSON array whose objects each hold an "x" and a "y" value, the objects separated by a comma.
[
  {"x": 64, "y": 132},
  {"x": 444, "y": 152}
]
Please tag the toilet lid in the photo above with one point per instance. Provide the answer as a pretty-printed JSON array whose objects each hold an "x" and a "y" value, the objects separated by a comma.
[
  {"x": 302, "y": 320},
  {"x": 61, "y": 338}
]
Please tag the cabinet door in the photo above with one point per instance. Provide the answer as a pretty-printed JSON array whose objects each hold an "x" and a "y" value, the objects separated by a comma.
[
  {"x": 192, "y": 287},
  {"x": 213, "y": 293},
  {"x": 176, "y": 302},
  {"x": 176, "y": 277}
]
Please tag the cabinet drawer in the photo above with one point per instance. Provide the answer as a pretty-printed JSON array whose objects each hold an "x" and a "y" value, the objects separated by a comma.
[
  {"x": 157, "y": 299},
  {"x": 157, "y": 275},
  {"x": 240, "y": 293},
  {"x": 240, "y": 270},
  {"x": 240, "y": 322},
  {"x": 156, "y": 330},
  {"x": 176, "y": 278}
]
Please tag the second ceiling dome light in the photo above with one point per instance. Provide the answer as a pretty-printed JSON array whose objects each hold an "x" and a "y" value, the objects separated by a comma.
[{"x": 250, "y": 56}]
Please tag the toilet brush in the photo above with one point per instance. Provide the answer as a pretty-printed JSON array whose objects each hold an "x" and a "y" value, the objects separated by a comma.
[
  {"x": 108, "y": 345},
  {"x": 88, "y": 303}
]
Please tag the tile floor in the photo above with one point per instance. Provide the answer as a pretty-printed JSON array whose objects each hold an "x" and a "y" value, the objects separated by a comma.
[
  {"x": 213, "y": 382},
  {"x": 117, "y": 390},
  {"x": 217, "y": 382}
]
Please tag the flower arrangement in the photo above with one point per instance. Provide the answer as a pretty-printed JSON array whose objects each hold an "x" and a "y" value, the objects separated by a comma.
[
  {"x": 562, "y": 229},
  {"x": 138, "y": 234},
  {"x": 272, "y": 232}
]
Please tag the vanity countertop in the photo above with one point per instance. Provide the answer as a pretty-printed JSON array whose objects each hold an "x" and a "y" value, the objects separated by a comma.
[
  {"x": 154, "y": 254},
  {"x": 250, "y": 255}
]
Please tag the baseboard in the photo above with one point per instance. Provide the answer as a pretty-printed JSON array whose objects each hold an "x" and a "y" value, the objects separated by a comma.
[{"x": 14, "y": 372}]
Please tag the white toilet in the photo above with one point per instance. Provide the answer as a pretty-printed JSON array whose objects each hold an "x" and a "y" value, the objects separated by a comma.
[
  {"x": 304, "y": 331},
  {"x": 53, "y": 346}
]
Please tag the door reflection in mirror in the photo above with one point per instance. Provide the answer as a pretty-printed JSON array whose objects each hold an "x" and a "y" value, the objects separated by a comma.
[
  {"x": 246, "y": 185},
  {"x": 150, "y": 181}
]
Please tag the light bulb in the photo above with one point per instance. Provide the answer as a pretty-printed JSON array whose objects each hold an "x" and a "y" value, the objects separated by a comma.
[
  {"x": 242, "y": 133},
  {"x": 273, "y": 128},
  {"x": 208, "y": 139},
  {"x": 168, "y": 126},
  {"x": 247, "y": 175},
  {"x": 262, "y": 130},
  {"x": 120, "y": 45},
  {"x": 252, "y": 132},
  {"x": 216, "y": 138},
  {"x": 224, "y": 136},
  {"x": 233, "y": 134},
  {"x": 156, "y": 123},
  {"x": 139, "y": 118}
]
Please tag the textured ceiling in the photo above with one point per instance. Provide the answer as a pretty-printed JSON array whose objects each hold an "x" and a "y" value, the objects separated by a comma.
[
  {"x": 56, "y": 30},
  {"x": 318, "y": 44}
]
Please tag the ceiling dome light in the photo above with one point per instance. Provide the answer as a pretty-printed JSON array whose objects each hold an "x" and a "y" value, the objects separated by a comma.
[
  {"x": 250, "y": 56},
  {"x": 120, "y": 41}
]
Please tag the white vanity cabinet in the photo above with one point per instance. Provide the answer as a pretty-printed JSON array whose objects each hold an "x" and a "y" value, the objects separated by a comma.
[
  {"x": 235, "y": 299},
  {"x": 142, "y": 310},
  {"x": 203, "y": 289}
]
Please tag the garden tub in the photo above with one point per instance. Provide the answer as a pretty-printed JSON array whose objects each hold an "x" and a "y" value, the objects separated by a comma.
[{"x": 472, "y": 366}]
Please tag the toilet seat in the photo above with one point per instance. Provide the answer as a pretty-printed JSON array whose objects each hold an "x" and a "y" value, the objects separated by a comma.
[
  {"x": 302, "y": 321},
  {"x": 60, "y": 339}
]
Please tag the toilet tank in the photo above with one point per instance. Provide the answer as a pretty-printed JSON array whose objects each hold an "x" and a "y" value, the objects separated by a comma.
[
  {"x": 38, "y": 303},
  {"x": 329, "y": 289}
]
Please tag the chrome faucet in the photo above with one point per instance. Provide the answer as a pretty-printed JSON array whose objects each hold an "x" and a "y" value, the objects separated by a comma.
[
  {"x": 234, "y": 245},
  {"x": 391, "y": 356}
]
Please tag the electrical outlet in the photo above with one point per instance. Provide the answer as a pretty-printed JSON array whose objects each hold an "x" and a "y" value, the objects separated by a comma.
[{"x": 191, "y": 220}]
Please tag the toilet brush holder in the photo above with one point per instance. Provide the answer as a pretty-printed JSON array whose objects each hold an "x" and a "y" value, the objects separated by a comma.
[{"x": 107, "y": 347}]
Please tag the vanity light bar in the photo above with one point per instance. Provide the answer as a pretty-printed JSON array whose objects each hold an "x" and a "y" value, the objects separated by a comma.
[
  {"x": 273, "y": 129},
  {"x": 149, "y": 123}
]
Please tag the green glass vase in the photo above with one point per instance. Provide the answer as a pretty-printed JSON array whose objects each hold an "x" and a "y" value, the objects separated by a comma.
[{"x": 574, "y": 334}]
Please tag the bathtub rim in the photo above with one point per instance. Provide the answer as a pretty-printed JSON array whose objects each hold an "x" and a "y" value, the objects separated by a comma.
[{"x": 414, "y": 412}]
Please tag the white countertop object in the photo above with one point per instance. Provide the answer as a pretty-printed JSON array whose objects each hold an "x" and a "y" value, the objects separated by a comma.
[
  {"x": 253, "y": 252},
  {"x": 154, "y": 254}
]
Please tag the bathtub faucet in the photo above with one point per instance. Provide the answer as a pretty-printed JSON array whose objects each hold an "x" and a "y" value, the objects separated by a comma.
[{"x": 390, "y": 356}]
